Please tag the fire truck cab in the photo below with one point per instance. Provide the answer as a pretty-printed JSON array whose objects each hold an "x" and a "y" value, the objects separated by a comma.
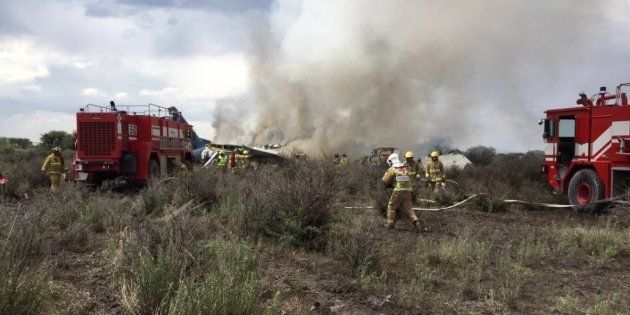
[
  {"x": 587, "y": 153},
  {"x": 131, "y": 142}
]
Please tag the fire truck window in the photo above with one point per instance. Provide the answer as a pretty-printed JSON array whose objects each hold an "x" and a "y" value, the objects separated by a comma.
[
  {"x": 548, "y": 133},
  {"x": 566, "y": 128}
]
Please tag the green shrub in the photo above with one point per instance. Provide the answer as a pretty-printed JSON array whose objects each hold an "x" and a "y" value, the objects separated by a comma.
[
  {"x": 293, "y": 203},
  {"x": 25, "y": 281},
  {"x": 219, "y": 277},
  {"x": 604, "y": 244}
]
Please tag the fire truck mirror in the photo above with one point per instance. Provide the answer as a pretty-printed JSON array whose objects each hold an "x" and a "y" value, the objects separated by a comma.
[{"x": 548, "y": 133}]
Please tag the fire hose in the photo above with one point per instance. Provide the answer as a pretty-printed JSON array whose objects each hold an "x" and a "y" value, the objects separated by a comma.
[{"x": 508, "y": 201}]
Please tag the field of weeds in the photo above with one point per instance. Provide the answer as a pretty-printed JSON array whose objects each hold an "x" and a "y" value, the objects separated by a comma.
[{"x": 279, "y": 239}]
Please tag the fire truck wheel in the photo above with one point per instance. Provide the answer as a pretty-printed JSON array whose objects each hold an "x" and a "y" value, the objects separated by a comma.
[
  {"x": 586, "y": 187},
  {"x": 154, "y": 169}
]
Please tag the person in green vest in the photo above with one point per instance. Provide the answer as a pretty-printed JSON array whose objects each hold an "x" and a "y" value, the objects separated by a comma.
[{"x": 222, "y": 161}]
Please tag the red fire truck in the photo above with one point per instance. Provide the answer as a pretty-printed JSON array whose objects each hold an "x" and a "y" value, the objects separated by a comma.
[
  {"x": 588, "y": 148},
  {"x": 131, "y": 142}
]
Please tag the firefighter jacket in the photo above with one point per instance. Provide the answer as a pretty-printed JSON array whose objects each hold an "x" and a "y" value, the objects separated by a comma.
[
  {"x": 344, "y": 161},
  {"x": 435, "y": 171},
  {"x": 54, "y": 165},
  {"x": 399, "y": 177},
  {"x": 242, "y": 161},
  {"x": 414, "y": 169}
]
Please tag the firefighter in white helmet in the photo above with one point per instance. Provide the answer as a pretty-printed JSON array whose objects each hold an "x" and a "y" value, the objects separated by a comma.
[
  {"x": 54, "y": 166},
  {"x": 435, "y": 174},
  {"x": 398, "y": 176}
]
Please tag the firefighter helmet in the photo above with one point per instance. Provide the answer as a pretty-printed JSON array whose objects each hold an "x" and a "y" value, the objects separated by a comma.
[
  {"x": 394, "y": 161},
  {"x": 246, "y": 152},
  {"x": 409, "y": 154},
  {"x": 435, "y": 154},
  {"x": 56, "y": 150}
]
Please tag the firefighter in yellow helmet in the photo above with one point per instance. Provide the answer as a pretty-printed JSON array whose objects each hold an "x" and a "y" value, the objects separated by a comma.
[
  {"x": 344, "y": 161},
  {"x": 398, "y": 176},
  {"x": 414, "y": 168},
  {"x": 242, "y": 162},
  {"x": 435, "y": 174},
  {"x": 182, "y": 167},
  {"x": 54, "y": 166}
]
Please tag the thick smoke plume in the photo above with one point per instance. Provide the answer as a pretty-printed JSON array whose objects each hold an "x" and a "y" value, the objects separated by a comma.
[{"x": 347, "y": 75}]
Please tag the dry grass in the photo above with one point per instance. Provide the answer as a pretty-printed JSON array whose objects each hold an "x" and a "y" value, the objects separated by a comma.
[{"x": 198, "y": 244}]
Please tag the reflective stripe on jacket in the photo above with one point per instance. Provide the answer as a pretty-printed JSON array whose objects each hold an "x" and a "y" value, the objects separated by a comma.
[
  {"x": 54, "y": 164},
  {"x": 399, "y": 177},
  {"x": 435, "y": 171}
]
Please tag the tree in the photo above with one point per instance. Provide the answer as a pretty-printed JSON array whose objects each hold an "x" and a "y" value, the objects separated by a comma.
[
  {"x": 22, "y": 143},
  {"x": 481, "y": 155},
  {"x": 57, "y": 138}
]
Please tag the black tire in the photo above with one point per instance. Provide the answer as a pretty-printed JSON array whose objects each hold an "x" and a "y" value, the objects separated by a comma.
[
  {"x": 154, "y": 169},
  {"x": 586, "y": 187}
]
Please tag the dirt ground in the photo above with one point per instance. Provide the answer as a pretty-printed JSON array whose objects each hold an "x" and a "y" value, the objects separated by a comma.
[{"x": 310, "y": 282}]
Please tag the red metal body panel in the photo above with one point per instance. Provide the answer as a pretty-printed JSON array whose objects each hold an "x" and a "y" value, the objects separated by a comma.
[
  {"x": 600, "y": 136},
  {"x": 110, "y": 143}
]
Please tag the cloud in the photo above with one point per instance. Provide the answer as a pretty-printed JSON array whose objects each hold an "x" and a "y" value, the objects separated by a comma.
[
  {"x": 21, "y": 63},
  {"x": 92, "y": 92},
  {"x": 105, "y": 8},
  {"x": 33, "y": 124},
  {"x": 197, "y": 78}
]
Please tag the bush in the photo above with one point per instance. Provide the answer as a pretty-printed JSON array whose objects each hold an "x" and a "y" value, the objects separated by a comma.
[
  {"x": 25, "y": 284},
  {"x": 604, "y": 244},
  {"x": 22, "y": 170},
  {"x": 354, "y": 241},
  {"x": 480, "y": 155},
  {"x": 293, "y": 204},
  {"x": 175, "y": 272}
]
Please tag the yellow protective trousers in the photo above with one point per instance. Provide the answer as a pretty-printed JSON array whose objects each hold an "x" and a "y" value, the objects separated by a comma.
[
  {"x": 55, "y": 180},
  {"x": 402, "y": 200}
]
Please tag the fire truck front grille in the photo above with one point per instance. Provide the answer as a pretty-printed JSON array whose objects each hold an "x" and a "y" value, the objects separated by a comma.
[{"x": 97, "y": 138}]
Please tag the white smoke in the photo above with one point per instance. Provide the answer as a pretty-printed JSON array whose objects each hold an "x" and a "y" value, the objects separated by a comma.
[{"x": 349, "y": 74}]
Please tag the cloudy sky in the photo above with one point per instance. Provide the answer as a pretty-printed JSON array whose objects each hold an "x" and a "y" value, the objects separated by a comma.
[{"x": 56, "y": 56}]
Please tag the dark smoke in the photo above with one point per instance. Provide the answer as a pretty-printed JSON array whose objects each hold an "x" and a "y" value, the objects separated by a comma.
[{"x": 342, "y": 76}]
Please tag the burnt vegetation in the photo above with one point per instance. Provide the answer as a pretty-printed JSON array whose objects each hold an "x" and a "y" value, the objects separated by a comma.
[{"x": 279, "y": 238}]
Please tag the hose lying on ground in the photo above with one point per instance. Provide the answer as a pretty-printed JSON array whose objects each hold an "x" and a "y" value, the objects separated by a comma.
[{"x": 510, "y": 201}]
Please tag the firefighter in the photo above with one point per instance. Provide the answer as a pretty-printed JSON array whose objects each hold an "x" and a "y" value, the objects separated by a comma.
[
  {"x": 243, "y": 162},
  {"x": 414, "y": 168},
  {"x": 182, "y": 168},
  {"x": 232, "y": 160},
  {"x": 398, "y": 176},
  {"x": 54, "y": 166},
  {"x": 435, "y": 174},
  {"x": 222, "y": 160},
  {"x": 344, "y": 160}
]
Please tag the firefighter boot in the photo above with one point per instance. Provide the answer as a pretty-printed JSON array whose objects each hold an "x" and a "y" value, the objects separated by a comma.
[{"x": 418, "y": 227}]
